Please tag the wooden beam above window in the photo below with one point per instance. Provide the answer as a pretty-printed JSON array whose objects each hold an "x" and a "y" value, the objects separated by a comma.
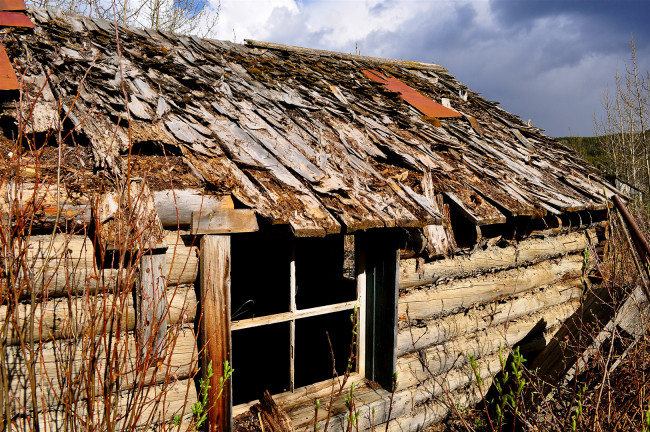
[{"x": 224, "y": 221}]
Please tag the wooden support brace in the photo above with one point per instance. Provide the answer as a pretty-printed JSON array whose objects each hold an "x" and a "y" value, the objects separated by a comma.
[
  {"x": 215, "y": 326},
  {"x": 152, "y": 305}
]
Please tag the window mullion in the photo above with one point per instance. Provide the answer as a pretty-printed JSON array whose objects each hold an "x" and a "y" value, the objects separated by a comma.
[{"x": 292, "y": 309}]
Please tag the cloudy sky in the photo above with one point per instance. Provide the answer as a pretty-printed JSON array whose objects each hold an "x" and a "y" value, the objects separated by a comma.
[{"x": 545, "y": 60}]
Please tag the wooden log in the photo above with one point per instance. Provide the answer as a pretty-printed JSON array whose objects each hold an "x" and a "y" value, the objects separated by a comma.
[
  {"x": 437, "y": 409},
  {"x": 215, "y": 326},
  {"x": 448, "y": 297},
  {"x": 66, "y": 265},
  {"x": 224, "y": 221},
  {"x": 451, "y": 354},
  {"x": 127, "y": 220},
  {"x": 151, "y": 304},
  {"x": 148, "y": 407},
  {"x": 414, "y": 273},
  {"x": 46, "y": 207},
  {"x": 69, "y": 318},
  {"x": 458, "y": 378},
  {"x": 174, "y": 207},
  {"x": 68, "y": 370},
  {"x": 421, "y": 334}
]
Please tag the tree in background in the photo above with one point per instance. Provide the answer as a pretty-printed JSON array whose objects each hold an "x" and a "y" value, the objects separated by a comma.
[
  {"x": 623, "y": 131},
  {"x": 197, "y": 17}
]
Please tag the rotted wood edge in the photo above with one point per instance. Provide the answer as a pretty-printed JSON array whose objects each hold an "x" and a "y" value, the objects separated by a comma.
[{"x": 224, "y": 222}]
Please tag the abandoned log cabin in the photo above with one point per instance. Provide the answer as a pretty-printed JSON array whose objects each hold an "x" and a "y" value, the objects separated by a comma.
[{"x": 171, "y": 203}]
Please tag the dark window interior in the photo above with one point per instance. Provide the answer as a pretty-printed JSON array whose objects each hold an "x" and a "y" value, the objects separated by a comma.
[
  {"x": 321, "y": 277},
  {"x": 259, "y": 275},
  {"x": 464, "y": 230},
  {"x": 260, "y": 357},
  {"x": 313, "y": 362},
  {"x": 261, "y": 286}
]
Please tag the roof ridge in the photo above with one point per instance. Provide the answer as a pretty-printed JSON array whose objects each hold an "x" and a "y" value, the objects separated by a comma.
[{"x": 301, "y": 50}]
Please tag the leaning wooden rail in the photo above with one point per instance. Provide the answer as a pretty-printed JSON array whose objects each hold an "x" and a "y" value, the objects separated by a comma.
[
  {"x": 638, "y": 242},
  {"x": 596, "y": 311}
]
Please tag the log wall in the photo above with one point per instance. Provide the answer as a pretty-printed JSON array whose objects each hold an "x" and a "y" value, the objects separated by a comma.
[
  {"x": 474, "y": 304},
  {"x": 71, "y": 342}
]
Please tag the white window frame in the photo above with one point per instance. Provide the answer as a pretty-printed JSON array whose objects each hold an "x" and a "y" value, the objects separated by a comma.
[{"x": 295, "y": 314}]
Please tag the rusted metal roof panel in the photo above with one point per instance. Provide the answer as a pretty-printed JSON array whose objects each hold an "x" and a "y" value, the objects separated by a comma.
[
  {"x": 12, "y": 5},
  {"x": 8, "y": 80},
  {"x": 15, "y": 19},
  {"x": 422, "y": 103}
]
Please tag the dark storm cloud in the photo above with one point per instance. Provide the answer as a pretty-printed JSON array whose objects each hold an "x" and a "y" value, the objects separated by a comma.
[
  {"x": 612, "y": 14},
  {"x": 605, "y": 25}
]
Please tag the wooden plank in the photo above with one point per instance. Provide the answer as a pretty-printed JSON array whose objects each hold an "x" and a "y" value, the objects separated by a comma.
[
  {"x": 224, "y": 222},
  {"x": 289, "y": 316},
  {"x": 440, "y": 239},
  {"x": 490, "y": 214},
  {"x": 292, "y": 324},
  {"x": 414, "y": 273},
  {"x": 291, "y": 401},
  {"x": 151, "y": 305},
  {"x": 448, "y": 297},
  {"x": 215, "y": 326}
]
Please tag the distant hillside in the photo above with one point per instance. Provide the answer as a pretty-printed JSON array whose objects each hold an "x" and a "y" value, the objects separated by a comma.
[{"x": 588, "y": 147}]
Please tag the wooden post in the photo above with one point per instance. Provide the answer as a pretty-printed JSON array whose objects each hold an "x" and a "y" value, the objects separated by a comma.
[
  {"x": 152, "y": 305},
  {"x": 215, "y": 326},
  {"x": 361, "y": 298},
  {"x": 381, "y": 263}
]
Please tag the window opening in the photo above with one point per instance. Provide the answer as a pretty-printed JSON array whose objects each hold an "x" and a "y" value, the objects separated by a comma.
[
  {"x": 286, "y": 293},
  {"x": 257, "y": 359}
]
